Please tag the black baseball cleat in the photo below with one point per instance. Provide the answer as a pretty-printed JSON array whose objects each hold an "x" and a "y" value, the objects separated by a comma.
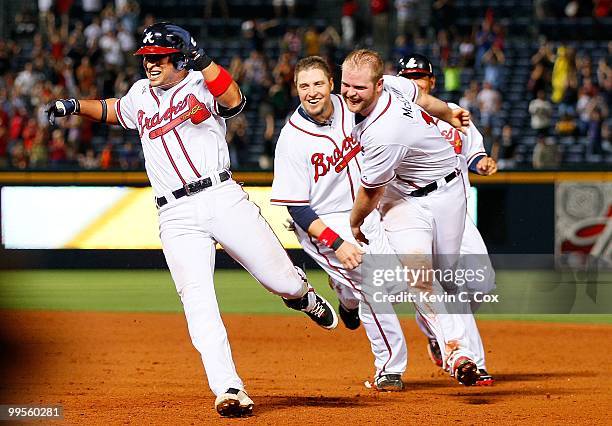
[
  {"x": 389, "y": 383},
  {"x": 433, "y": 349},
  {"x": 316, "y": 307},
  {"x": 350, "y": 317},
  {"x": 485, "y": 378}
]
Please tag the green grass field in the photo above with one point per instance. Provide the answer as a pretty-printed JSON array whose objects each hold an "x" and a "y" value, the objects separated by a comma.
[{"x": 238, "y": 292}]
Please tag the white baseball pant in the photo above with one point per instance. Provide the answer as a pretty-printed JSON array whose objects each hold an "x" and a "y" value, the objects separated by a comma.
[
  {"x": 383, "y": 329},
  {"x": 474, "y": 255},
  {"x": 189, "y": 229},
  {"x": 427, "y": 229}
]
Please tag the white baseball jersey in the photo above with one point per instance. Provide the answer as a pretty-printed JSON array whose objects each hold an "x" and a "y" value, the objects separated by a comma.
[
  {"x": 469, "y": 145},
  {"x": 402, "y": 145},
  {"x": 182, "y": 133},
  {"x": 317, "y": 165}
]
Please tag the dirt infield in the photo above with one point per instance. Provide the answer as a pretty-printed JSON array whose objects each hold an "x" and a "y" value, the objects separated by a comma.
[{"x": 141, "y": 369}]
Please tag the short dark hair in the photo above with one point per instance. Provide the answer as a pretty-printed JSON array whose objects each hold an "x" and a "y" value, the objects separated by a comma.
[{"x": 312, "y": 62}]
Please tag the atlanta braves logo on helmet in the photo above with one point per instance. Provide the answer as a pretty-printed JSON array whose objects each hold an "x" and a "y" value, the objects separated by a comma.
[{"x": 148, "y": 38}]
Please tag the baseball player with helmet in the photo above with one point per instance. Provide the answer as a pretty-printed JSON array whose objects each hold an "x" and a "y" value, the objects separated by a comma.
[
  {"x": 414, "y": 178},
  {"x": 316, "y": 175},
  {"x": 418, "y": 69},
  {"x": 179, "y": 111}
]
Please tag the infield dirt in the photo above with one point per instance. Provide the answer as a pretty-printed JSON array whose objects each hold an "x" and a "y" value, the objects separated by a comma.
[{"x": 118, "y": 368}]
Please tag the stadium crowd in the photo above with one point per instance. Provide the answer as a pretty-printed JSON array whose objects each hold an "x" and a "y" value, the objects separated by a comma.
[{"x": 52, "y": 54}]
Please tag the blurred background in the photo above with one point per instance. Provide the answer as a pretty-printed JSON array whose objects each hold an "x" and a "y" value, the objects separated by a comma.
[{"x": 536, "y": 76}]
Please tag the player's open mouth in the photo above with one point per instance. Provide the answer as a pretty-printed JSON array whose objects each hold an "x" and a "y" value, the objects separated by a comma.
[
  {"x": 314, "y": 101},
  {"x": 154, "y": 73}
]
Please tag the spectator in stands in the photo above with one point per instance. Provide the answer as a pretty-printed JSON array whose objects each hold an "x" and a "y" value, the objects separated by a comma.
[
  {"x": 266, "y": 116},
  {"x": 570, "y": 96},
  {"x": 401, "y": 48},
  {"x": 594, "y": 132},
  {"x": 58, "y": 152},
  {"x": 541, "y": 114},
  {"x": 452, "y": 81},
  {"x": 278, "y": 7},
  {"x": 469, "y": 100},
  {"x": 45, "y": 16},
  {"x": 128, "y": 157},
  {"x": 89, "y": 160},
  {"x": 26, "y": 79},
  {"x": 537, "y": 80},
  {"x": 91, "y": 8},
  {"x": 444, "y": 15},
  {"x": 590, "y": 100},
  {"x": 485, "y": 38},
  {"x": 601, "y": 8},
  {"x": 126, "y": 40},
  {"x": 546, "y": 154},
  {"x": 237, "y": 139},
  {"x": 312, "y": 42},
  {"x": 565, "y": 64},
  {"x": 279, "y": 97},
  {"x": 494, "y": 61},
  {"x": 112, "y": 49},
  {"x": 255, "y": 73},
  {"x": 544, "y": 56},
  {"x": 604, "y": 76},
  {"x": 330, "y": 42},
  {"x": 18, "y": 157},
  {"x": 85, "y": 75},
  {"x": 93, "y": 31},
  {"x": 606, "y": 136},
  {"x": 128, "y": 15},
  {"x": 379, "y": 10},
  {"x": 406, "y": 18},
  {"x": 566, "y": 126},
  {"x": 504, "y": 149},
  {"x": 442, "y": 48},
  {"x": 38, "y": 152},
  {"x": 292, "y": 42},
  {"x": 541, "y": 9},
  {"x": 467, "y": 52},
  {"x": 349, "y": 9},
  {"x": 489, "y": 105}
]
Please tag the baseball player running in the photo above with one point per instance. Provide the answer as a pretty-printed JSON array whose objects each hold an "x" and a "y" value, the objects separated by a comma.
[
  {"x": 316, "y": 175},
  {"x": 414, "y": 177},
  {"x": 180, "y": 116},
  {"x": 417, "y": 68}
]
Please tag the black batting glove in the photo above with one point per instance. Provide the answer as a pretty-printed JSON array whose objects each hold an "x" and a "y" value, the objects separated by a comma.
[
  {"x": 199, "y": 59},
  {"x": 62, "y": 108}
]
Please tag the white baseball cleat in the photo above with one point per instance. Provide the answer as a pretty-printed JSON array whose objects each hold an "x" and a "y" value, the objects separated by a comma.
[{"x": 234, "y": 403}]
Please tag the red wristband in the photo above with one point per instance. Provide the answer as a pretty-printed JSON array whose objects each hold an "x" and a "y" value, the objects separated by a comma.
[
  {"x": 221, "y": 83},
  {"x": 328, "y": 237}
]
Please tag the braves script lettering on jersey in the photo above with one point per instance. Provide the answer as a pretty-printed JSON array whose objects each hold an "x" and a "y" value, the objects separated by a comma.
[
  {"x": 183, "y": 138},
  {"x": 168, "y": 122},
  {"x": 319, "y": 165},
  {"x": 404, "y": 151}
]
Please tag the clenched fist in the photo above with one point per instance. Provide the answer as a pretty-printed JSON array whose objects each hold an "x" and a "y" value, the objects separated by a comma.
[{"x": 62, "y": 108}]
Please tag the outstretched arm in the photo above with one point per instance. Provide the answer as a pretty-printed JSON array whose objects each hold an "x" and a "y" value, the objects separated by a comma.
[{"x": 102, "y": 110}]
